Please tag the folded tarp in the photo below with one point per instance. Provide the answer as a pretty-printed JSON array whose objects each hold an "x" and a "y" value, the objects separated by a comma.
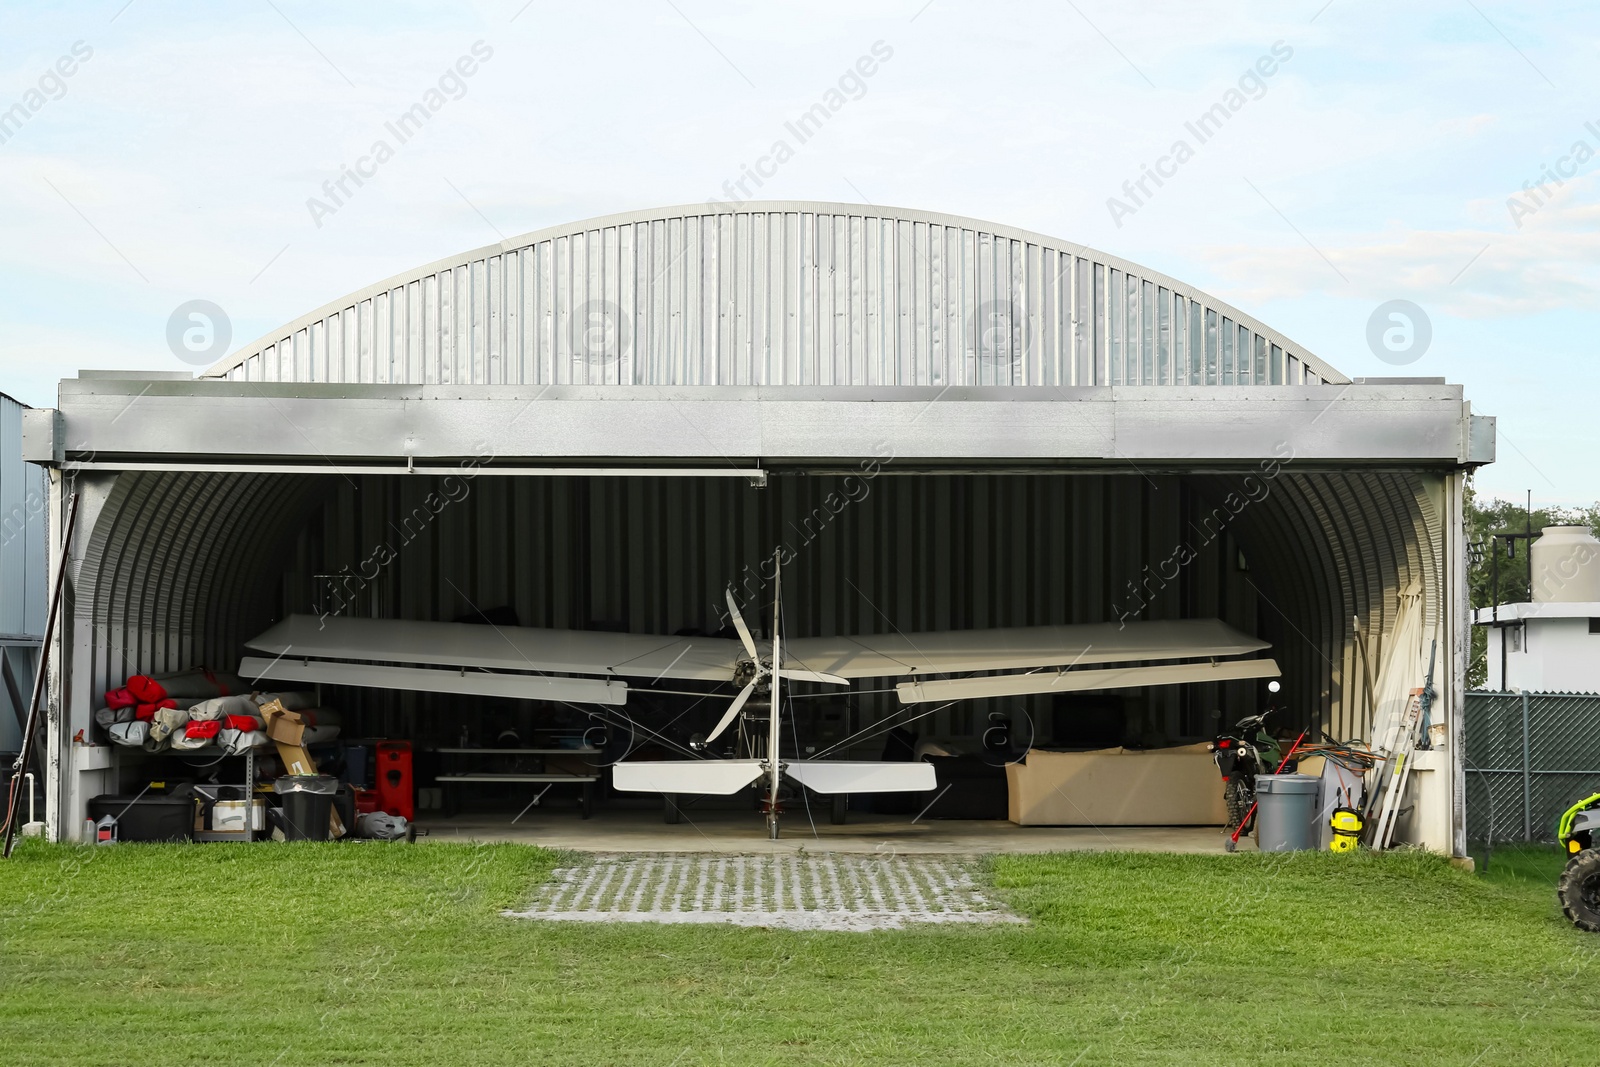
[
  {"x": 129, "y": 734},
  {"x": 195, "y": 682},
  {"x": 248, "y": 704},
  {"x": 218, "y": 707},
  {"x": 106, "y": 718},
  {"x": 167, "y": 722},
  {"x": 237, "y": 741}
]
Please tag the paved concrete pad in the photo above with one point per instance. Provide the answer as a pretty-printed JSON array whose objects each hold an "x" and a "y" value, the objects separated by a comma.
[{"x": 744, "y": 832}]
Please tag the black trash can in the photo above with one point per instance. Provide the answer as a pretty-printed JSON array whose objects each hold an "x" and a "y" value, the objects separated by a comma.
[{"x": 307, "y": 804}]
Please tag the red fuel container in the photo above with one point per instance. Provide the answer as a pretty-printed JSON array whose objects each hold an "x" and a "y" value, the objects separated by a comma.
[
  {"x": 367, "y": 801},
  {"x": 397, "y": 792}
]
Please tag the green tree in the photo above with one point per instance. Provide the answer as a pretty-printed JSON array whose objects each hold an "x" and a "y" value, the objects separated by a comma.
[{"x": 1484, "y": 518}]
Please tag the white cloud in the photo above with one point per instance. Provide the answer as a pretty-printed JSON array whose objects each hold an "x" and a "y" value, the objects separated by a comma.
[{"x": 1551, "y": 263}]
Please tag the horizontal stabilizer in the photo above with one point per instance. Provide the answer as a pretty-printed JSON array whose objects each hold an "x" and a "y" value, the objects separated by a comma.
[
  {"x": 1010, "y": 685},
  {"x": 850, "y": 776},
  {"x": 428, "y": 680},
  {"x": 716, "y": 777}
]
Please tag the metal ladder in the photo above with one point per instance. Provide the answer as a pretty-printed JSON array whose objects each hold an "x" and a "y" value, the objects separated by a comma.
[{"x": 1393, "y": 779}]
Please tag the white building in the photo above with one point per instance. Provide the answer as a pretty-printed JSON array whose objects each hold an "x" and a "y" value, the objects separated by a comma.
[{"x": 1551, "y": 645}]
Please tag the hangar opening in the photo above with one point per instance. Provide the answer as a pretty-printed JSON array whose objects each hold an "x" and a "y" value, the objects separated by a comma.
[{"x": 935, "y": 424}]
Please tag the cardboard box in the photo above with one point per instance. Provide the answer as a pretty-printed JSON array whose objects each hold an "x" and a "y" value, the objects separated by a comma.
[
  {"x": 283, "y": 726},
  {"x": 296, "y": 760},
  {"x": 1176, "y": 786},
  {"x": 286, "y": 729},
  {"x": 228, "y": 816}
]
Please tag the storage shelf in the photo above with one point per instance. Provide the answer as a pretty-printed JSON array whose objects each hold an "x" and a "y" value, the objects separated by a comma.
[
  {"x": 487, "y": 777},
  {"x": 518, "y": 751}
]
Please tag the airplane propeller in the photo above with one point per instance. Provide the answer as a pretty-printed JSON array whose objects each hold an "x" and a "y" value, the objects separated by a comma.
[{"x": 763, "y": 670}]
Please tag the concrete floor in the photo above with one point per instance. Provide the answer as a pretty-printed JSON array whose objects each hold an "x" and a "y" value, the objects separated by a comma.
[{"x": 744, "y": 832}]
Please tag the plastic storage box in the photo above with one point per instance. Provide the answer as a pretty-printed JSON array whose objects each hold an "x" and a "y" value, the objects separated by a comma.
[{"x": 147, "y": 818}]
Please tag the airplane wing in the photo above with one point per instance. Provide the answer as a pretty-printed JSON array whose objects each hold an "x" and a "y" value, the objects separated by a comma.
[
  {"x": 501, "y": 648},
  {"x": 495, "y": 660},
  {"x": 429, "y": 680},
  {"x": 1047, "y": 681},
  {"x": 1017, "y": 648}
]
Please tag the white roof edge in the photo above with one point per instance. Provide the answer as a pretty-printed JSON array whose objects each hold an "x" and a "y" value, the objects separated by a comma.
[
  {"x": 1540, "y": 610},
  {"x": 511, "y": 244}
]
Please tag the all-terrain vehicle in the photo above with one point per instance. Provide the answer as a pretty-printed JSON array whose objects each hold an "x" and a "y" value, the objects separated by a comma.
[{"x": 1579, "y": 888}]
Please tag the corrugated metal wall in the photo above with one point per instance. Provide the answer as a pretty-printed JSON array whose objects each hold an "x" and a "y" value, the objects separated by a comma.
[
  {"x": 181, "y": 568},
  {"x": 24, "y": 505},
  {"x": 790, "y": 294},
  {"x": 23, "y": 563}
]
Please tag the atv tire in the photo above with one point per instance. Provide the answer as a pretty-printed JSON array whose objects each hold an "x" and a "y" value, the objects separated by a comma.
[
  {"x": 1579, "y": 890},
  {"x": 1238, "y": 799}
]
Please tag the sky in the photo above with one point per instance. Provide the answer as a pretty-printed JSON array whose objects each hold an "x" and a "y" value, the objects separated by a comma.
[{"x": 1442, "y": 154}]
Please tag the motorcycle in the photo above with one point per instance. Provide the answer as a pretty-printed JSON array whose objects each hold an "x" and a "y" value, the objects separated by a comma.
[{"x": 1241, "y": 755}]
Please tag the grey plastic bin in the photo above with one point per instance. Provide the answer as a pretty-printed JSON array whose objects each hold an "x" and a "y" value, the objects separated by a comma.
[{"x": 1286, "y": 809}]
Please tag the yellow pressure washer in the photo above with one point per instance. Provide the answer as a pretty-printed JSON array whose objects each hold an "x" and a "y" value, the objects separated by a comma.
[{"x": 1347, "y": 825}]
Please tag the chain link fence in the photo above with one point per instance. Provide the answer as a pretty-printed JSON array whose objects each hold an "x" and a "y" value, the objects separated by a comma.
[{"x": 1529, "y": 757}]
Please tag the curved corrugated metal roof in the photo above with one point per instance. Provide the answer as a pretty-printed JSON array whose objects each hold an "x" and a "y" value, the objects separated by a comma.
[
  {"x": 177, "y": 569},
  {"x": 779, "y": 293},
  {"x": 1330, "y": 547}
]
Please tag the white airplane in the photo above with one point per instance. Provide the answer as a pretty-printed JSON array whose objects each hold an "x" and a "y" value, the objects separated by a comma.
[{"x": 589, "y": 667}]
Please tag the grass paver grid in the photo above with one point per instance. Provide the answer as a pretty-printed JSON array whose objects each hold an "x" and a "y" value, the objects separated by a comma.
[{"x": 803, "y": 892}]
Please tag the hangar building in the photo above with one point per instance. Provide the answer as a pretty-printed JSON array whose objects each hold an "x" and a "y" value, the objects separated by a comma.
[{"x": 948, "y": 424}]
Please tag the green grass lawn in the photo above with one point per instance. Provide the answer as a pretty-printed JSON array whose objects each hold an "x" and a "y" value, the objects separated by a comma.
[{"x": 388, "y": 954}]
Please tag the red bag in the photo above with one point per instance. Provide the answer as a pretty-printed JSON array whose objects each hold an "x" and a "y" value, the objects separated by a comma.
[
  {"x": 204, "y": 728},
  {"x": 120, "y": 698},
  {"x": 240, "y": 722},
  {"x": 147, "y": 712}
]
